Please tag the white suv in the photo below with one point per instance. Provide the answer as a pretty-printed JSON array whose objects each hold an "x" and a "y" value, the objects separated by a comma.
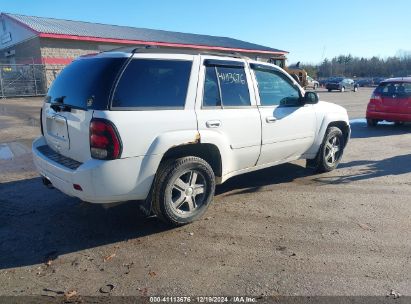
[{"x": 165, "y": 128}]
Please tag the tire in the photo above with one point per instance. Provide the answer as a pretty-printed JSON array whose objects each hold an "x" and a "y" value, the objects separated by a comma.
[
  {"x": 315, "y": 87},
  {"x": 342, "y": 89},
  {"x": 326, "y": 160},
  {"x": 329, "y": 90},
  {"x": 372, "y": 122},
  {"x": 355, "y": 89},
  {"x": 183, "y": 190}
]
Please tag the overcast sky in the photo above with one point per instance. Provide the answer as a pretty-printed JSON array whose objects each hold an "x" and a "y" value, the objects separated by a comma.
[{"x": 309, "y": 30}]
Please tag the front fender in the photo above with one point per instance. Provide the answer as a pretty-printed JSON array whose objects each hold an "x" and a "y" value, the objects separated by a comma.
[{"x": 323, "y": 122}]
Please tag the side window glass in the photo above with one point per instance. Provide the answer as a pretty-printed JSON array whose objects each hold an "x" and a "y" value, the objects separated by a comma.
[
  {"x": 225, "y": 86},
  {"x": 234, "y": 87},
  {"x": 153, "y": 83},
  {"x": 275, "y": 89},
  {"x": 211, "y": 97}
]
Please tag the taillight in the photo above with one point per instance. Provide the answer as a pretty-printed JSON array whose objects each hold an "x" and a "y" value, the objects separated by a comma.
[
  {"x": 41, "y": 121},
  {"x": 376, "y": 97},
  {"x": 105, "y": 143}
]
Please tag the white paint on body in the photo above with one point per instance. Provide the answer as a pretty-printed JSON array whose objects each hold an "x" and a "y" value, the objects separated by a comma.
[{"x": 5, "y": 152}]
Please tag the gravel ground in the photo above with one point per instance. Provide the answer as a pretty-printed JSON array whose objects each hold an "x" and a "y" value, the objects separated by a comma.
[{"x": 279, "y": 231}]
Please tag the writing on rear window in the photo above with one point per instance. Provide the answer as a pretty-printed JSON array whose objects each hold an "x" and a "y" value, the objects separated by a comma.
[
  {"x": 231, "y": 77},
  {"x": 225, "y": 86}
]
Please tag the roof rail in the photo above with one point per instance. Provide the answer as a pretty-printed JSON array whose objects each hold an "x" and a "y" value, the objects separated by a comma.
[
  {"x": 229, "y": 54},
  {"x": 129, "y": 49},
  {"x": 156, "y": 49}
]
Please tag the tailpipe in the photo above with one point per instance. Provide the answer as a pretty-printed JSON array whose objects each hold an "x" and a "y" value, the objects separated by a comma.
[{"x": 47, "y": 183}]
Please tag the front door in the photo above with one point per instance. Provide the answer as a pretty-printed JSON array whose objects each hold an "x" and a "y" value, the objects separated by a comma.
[{"x": 288, "y": 126}]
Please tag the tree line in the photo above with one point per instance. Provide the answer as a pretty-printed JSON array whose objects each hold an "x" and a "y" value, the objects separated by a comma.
[{"x": 356, "y": 67}]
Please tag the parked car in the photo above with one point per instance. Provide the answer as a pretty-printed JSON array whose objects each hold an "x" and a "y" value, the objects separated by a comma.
[
  {"x": 312, "y": 83},
  {"x": 377, "y": 80},
  {"x": 365, "y": 82},
  {"x": 390, "y": 101},
  {"x": 341, "y": 84},
  {"x": 323, "y": 81},
  {"x": 165, "y": 128}
]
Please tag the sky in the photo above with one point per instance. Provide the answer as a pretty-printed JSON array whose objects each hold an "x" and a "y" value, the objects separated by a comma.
[{"x": 309, "y": 30}]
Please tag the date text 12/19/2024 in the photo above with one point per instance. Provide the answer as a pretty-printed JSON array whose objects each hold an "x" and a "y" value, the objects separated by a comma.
[{"x": 203, "y": 299}]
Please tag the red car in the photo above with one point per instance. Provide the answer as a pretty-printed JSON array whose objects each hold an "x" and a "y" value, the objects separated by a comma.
[{"x": 391, "y": 101}]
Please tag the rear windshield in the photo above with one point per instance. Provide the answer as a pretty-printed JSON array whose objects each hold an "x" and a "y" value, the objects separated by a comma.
[
  {"x": 394, "y": 88},
  {"x": 86, "y": 83},
  {"x": 153, "y": 83}
]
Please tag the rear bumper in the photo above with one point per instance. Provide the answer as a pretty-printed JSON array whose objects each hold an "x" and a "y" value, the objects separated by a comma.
[
  {"x": 101, "y": 181},
  {"x": 404, "y": 117},
  {"x": 332, "y": 86}
]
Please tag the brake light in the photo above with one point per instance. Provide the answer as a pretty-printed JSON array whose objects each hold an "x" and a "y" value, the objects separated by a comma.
[
  {"x": 105, "y": 143},
  {"x": 376, "y": 97}
]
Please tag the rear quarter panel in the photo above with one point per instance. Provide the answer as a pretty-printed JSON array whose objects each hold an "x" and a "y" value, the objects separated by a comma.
[{"x": 153, "y": 131}]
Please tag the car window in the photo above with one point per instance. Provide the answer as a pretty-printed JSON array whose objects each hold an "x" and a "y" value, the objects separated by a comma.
[
  {"x": 226, "y": 87},
  {"x": 275, "y": 89},
  {"x": 211, "y": 96},
  {"x": 86, "y": 82},
  {"x": 394, "y": 88},
  {"x": 148, "y": 83}
]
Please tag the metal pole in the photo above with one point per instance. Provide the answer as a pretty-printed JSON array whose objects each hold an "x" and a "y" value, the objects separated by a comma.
[
  {"x": 1, "y": 82},
  {"x": 35, "y": 83}
]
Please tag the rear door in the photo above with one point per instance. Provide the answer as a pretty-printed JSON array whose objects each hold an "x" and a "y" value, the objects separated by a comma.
[
  {"x": 227, "y": 111},
  {"x": 82, "y": 87},
  {"x": 350, "y": 84}
]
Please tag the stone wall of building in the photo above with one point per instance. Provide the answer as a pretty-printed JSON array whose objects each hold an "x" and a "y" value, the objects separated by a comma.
[{"x": 24, "y": 52}]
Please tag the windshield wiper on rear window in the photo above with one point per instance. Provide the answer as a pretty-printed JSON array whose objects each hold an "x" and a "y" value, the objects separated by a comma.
[{"x": 59, "y": 106}]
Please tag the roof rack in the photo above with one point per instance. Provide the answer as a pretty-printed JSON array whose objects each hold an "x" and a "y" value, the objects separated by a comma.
[{"x": 156, "y": 49}]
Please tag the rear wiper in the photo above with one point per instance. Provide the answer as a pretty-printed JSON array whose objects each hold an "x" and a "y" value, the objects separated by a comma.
[{"x": 59, "y": 106}]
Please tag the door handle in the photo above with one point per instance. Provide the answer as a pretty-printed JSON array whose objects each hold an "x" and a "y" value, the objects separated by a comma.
[
  {"x": 213, "y": 124},
  {"x": 270, "y": 119}
]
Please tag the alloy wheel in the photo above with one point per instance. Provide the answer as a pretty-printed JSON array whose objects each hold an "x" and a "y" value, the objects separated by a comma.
[
  {"x": 188, "y": 192},
  {"x": 332, "y": 150}
]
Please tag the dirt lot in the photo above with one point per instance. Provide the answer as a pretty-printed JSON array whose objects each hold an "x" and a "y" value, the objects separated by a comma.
[{"x": 280, "y": 231}]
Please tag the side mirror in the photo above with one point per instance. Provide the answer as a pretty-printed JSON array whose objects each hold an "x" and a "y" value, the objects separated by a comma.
[{"x": 311, "y": 98}]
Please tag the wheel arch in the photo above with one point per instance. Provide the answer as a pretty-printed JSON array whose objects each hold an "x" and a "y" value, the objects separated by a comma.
[
  {"x": 330, "y": 120},
  {"x": 209, "y": 152},
  {"x": 344, "y": 127}
]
